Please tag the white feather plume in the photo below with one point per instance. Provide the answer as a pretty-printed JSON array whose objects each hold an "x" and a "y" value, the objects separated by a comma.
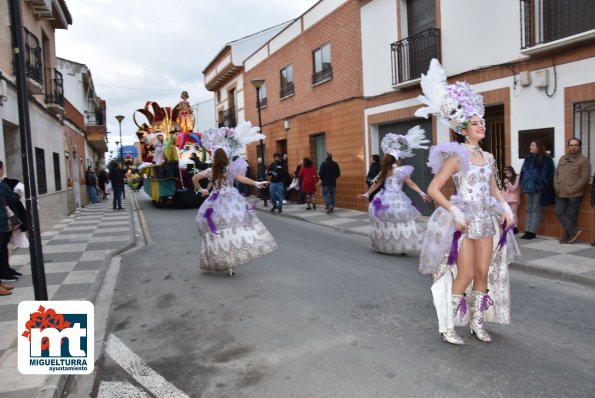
[
  {"x": 433, "y": 87},
  {"x": 416, "y": 137},
  {"x": 246, "y": 133}
]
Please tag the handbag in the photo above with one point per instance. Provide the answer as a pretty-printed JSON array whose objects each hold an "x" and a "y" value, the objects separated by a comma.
[{"x": 295, "y": 184}]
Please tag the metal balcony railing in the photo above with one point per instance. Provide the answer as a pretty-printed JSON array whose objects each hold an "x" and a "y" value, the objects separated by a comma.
[
  {"x": 95, "y": 118},
  {"x": 544, "y": 21},
  {"x": 325, "y": 74},
  {"x": 287, "y": 90},
  {"x": 33, "y": 62},
  {"x": 411, "y": 56},
  {"x": 54, "y": 90}
]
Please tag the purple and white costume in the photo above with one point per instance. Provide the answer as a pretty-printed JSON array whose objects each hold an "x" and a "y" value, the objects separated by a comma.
[
  {"x": 442, "y": 242},
  {"x": 231, "y": 232},
  {"x": 396, "y": 226}
]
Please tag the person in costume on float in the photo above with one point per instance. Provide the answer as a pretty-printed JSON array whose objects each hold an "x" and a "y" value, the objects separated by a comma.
[
  {"x": 396, "y": 226},
  {"x": 231, "y": 232},
  {"x": 158, "y": 155},
  {"x": 468, "y": 242}
]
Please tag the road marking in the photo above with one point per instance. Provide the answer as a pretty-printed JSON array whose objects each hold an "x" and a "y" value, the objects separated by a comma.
[
  {"x": 110, "y": 389},
  {"x": 140, "y": 371},
  {"x": 143, "y": 223}
]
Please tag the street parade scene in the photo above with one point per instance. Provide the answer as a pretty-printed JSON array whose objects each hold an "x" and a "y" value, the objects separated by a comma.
[{"x": 329, "y": 198}]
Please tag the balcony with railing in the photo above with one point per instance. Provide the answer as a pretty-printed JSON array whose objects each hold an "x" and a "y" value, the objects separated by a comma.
[
  {"x": 33, "y": 63},
  {"x": 411, "y": 56},
  {"x": 54, "y": 90},
  {"x": 548, "y": 24},
  {"x": 95, "y": 118},
  {"x": 287, "y": 90}
]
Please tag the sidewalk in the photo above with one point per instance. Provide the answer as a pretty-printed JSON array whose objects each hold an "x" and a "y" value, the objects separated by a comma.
[
  {"x": 542, "y": 256},
  {"x": 76, "y": 254}
]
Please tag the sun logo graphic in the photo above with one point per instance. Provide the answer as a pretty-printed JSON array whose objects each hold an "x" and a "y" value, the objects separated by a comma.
[{"x": 56, "y": 337}]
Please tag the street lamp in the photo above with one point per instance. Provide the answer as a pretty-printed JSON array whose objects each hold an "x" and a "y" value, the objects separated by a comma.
[
  {"x": 257, "y": 83},
  {"x": 120, "y": 118}
]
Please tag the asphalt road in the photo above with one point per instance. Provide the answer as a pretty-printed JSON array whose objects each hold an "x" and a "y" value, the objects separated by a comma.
[{"x": 325, "y": 317}]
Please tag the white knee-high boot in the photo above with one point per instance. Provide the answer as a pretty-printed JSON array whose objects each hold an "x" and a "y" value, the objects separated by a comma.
[{"x": 480, "y": 302}]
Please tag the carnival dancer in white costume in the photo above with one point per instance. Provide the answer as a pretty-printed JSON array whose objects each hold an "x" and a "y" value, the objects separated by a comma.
[
  {"x": 396, "y": 225},
  {"x": 468, "y": 242},
  {"x": 231, "y": 232}
]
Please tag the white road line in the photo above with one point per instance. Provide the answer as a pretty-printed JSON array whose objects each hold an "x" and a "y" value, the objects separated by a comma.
[
  {"x": 140, "y": 371},
  {"x": 113, "y": 389}
]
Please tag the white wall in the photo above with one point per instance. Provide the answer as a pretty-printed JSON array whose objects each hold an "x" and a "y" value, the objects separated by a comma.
[
  {"x": 73, "y": 83},
  {"x": 379, "y": 30},
  {"x": 479, "y": 33}
]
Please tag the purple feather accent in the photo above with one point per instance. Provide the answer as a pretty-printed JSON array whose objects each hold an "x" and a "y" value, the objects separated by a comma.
[
  {"x": 214, "y": 195},
  {"x": 486, "y": 301},
  {"x": 454, "y": 248},
  {"x": 209, "y": 216},
  {"x": 378, "y": 206},
  {"x": 463, "y": 307},
  {"x": 252, "y": 206},
  {"x": 439, "y": 153}
]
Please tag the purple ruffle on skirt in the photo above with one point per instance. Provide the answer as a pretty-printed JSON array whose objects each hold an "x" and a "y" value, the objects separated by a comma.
[{"x": 209, "y": 217}]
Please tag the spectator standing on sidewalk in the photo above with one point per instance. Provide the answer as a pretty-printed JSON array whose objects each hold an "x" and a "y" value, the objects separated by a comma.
[
  {"x": 328, "y": 173},
  {"x": 572, "y": 175},
  {"x": 278, "y": 176},
  {"x": 373, "y": 172},
  {"x": 512, "y": 192},
  {"x": 308, "y": 177},
  {"x": 91, "y": 181},
  {"x": 102, "y": 180},
  {"x": 116, "y": 176},
  {"x": 537, "y": 176},
  {"x": 7, "y": 198}
]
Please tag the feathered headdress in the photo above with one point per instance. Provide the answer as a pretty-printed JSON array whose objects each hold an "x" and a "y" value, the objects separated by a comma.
[
  {"x": 231, "y": 140},
  {"x": 402, "y": 146},
  {"x": 453, "y": 104}
]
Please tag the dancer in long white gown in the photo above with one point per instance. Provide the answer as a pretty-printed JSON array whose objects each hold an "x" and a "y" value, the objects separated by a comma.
[
  {"x": 396, "y": 224},
  {"x": 468, "y": 243},
  {"x": 231, "y": 232}
]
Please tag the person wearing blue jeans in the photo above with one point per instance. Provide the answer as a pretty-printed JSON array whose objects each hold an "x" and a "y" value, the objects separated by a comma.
[
  {"x": 116, "y": 176},
  {"x": 91, "y": 181},
  {"x": 279, "y": 176},
  {"x": 328, "y": 173}
]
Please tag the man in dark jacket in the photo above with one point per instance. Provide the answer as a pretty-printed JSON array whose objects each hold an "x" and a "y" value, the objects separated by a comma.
[
  {"x": 116, "y": 176},
  {"x": 373, "y": 172},
  {"x": 7, "y": 198},
  {"x": 328, "y": 173},
  {"x": 91, "y": 181},
  {"x": 278, "y": 176}
]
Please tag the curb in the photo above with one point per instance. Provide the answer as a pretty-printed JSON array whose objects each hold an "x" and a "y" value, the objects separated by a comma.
[
  {"x": 524, "y": 267},
  {"x": 553, "y": 274},
  {"x": 53, "y": 386}
]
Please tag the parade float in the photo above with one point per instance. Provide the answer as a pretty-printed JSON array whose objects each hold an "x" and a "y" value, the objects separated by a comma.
[{"x": 171, "y": 153}]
